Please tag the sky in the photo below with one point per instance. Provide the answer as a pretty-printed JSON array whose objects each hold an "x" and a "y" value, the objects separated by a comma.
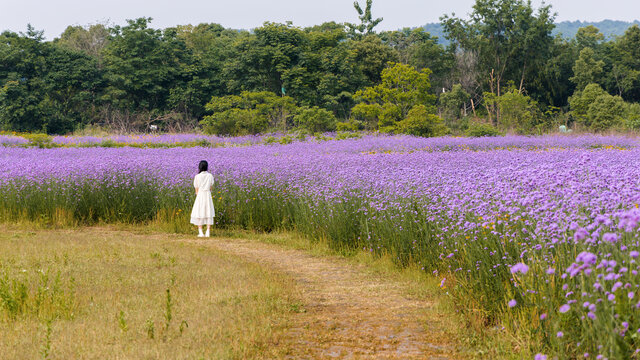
[{"x": 53, "y": 16}]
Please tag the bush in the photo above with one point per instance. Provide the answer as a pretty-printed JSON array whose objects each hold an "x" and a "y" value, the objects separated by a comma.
[
  {"x": 596, "y": 109},
  {"x": 632, "y": 116},
  {"x": 478, "y": 129},
  {"x": 606, "y": 112},
  {"x": 351, "y": 125},
  {"x": 108, "y": 143},
  {"x": 366, "y": 114},
  {"x": 420, "y": 122},
  {"x": 348, "y": 135},
  {"x": 40, "y": 140},
  {"x": 248, "y": 113},
  {"x": 315, "y": 120},
  {"x": 518, "y": 112}
]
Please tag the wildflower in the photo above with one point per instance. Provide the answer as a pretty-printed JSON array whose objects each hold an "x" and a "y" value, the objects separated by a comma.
[
  {"x": 512, "y": 303},
  {"x": 610, "y": 237},
  {"x": 586, "y": 257},
  {"x": 564, "y": 308},
  {"x": 560, "y": 334},
  {"x": 540, "y": 357},
  {"x": 442, "y": 282},
  {"x": 519, "y": 267},
  {"x": 543, "y": 316}
]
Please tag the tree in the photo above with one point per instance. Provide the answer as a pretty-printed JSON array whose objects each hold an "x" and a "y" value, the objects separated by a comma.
[
  {"x": 625, "y": 71},
  {"x": 90, "y": 39},
  {"x": 367, "y": 23},
  {"x": 45, "y": 87},
  {"x": 143, "y": 66},
  {"x": 258, "y": 62},
  {"x": 371, "y": 56},
  {"x": 418, "y": 48},
  {"x": 554, "y": 86},
  {"x": 586, "y": 69},
  {"x": 402, "y": 86},
  {"x": 589, "y": 36},
  {"x": 453, "y": 102},
  {"x": 512, "y": 42},
  {"x": 401, "y": 89}
]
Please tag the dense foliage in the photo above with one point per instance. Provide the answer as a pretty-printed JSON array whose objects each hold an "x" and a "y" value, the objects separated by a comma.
[{"x": 503, "y": 66}]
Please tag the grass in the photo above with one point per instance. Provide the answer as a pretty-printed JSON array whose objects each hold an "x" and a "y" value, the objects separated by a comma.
[
  {"x": 100, "y": 293},
  {"x": 472, "y": 337}
]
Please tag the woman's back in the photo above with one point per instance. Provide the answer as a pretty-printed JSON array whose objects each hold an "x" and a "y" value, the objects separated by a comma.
[{"x": 203, "y": 181}]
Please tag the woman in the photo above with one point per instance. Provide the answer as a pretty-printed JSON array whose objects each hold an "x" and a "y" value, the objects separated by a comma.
[{"x": 203, "y": 211}]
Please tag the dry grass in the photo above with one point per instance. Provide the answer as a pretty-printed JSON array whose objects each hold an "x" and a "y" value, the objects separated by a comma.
[
  {"x": 470, "y": 340},
  {"x": 122, "y": 295}
]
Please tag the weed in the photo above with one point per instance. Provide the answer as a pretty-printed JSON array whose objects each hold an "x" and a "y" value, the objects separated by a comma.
[
  {"x": 122, "y": 322},
  {"x": 150, "y": 328},
  {"x": 46, "y": 348}
]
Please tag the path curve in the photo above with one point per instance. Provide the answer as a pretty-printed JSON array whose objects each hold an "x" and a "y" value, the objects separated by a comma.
[{"x": 348, "y": 314}]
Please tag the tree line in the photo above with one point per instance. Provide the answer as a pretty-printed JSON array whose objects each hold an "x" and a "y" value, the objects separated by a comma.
[{"x": 501, "y": 71}]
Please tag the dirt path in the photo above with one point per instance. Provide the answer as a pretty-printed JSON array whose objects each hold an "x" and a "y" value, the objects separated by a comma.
[{"x": 349, "y": 313}]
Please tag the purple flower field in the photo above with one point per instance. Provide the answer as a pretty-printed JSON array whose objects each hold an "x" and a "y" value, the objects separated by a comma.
[{"x": 540, "y": 235}]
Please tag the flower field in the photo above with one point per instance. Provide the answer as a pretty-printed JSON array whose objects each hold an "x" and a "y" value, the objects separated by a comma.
[{"x": 535, "y": 236}]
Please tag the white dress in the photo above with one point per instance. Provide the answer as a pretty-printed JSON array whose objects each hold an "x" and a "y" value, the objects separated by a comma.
[{"x": 203, "y": 212}]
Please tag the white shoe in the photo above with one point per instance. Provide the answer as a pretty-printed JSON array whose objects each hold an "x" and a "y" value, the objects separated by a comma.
[
  {"x": 206, "y": 234},
  {"x": 200, "y": 235}
]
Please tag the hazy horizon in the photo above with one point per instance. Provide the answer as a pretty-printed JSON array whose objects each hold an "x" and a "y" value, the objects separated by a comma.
[{"x": 249, "y": 14}]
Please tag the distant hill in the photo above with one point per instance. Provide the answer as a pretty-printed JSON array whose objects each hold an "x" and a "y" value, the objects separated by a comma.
[{"x": 568, "y": 29}]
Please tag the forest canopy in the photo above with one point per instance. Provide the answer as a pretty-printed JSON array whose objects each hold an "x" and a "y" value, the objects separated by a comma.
[{"x": 502, "y": 68}]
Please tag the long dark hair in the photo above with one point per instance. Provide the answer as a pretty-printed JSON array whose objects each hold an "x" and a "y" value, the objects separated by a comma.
[{"x": 203, "y": 166}]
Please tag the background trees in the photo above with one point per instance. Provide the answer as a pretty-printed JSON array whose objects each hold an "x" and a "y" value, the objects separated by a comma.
[{"x": 501, "y": 67}]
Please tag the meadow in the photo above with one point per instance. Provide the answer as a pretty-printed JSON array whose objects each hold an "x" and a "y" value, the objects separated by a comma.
[
  {"x": 104, "y": 292},
  {"x": 534, "y": 236}
]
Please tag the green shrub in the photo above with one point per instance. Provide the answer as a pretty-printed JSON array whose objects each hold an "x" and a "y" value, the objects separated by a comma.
[
  {"x": 478, "y": 129},
  {"x": 321, "y": 137},
  {"x": 301, "y": 136},
  {"x": 270, "y": 140},
  {"x": 348, "y": 135},
  {"x": 40, "y": 140},
  {"x": 285, "y": 140},
  {"x": 247, "y": 113},
  {"x": 596, "y": 109},
  {"x": 108, "y": 143},
  {"x": 315, "y": 120},
  {"x": 351, "y": 125},
  {"x": 420, "y": 122},
  {"x": 632, "y": 116}
]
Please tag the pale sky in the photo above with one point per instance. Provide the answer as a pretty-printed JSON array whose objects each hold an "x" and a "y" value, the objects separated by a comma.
[{"x": 53, "y": 16}]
